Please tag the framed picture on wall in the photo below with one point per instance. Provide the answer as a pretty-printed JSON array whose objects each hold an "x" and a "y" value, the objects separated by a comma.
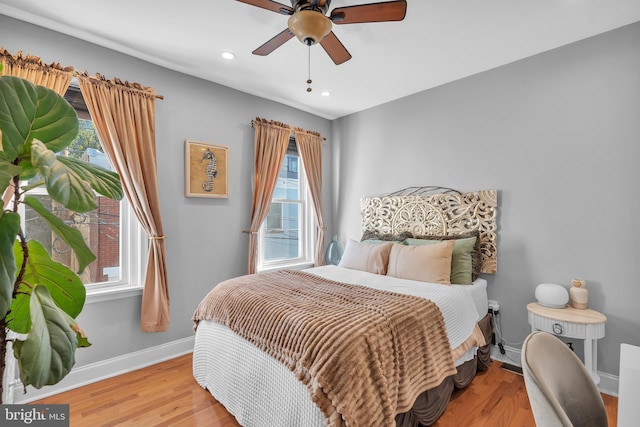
[{"x": 206, "y": 169}]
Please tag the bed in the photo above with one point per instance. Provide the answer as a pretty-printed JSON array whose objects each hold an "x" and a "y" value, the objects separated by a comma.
[{"x": 385, "y": 347}]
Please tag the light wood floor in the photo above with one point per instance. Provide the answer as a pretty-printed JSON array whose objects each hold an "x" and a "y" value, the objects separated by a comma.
[{"x": 167, "y": 395}]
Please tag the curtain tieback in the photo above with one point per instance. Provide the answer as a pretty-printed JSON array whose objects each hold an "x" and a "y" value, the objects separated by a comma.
[
  {"x": 157, "y": 237},
  {"x": 250, "y": 231}
]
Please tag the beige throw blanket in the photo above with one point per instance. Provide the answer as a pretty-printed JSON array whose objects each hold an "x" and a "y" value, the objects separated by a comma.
[{"x": 364, "y": 354}]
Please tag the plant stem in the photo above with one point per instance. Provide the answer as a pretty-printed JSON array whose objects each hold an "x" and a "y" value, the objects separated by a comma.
[
  {"x": 3, "y": 355},
  {"x": 23, "y": 241}
]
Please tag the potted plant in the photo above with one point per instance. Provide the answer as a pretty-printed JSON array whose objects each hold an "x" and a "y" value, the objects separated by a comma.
[{"x": 40, "y": 298}]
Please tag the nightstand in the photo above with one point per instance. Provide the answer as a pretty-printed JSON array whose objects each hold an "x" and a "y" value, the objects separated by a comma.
[{"x": 569, "y": 322}]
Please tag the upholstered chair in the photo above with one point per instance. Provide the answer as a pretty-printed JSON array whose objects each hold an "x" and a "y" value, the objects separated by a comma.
[{"x": 561, "y": 390}]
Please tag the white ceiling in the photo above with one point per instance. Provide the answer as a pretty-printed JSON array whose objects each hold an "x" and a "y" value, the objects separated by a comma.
[{"x": 439, "y": 41}]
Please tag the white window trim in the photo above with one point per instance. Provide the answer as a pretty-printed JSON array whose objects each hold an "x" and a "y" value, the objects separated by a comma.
[
  {"x": 132, "y": 270},
  {"x": 308, "y": 229},
  {"x": 131, "y": 266}
]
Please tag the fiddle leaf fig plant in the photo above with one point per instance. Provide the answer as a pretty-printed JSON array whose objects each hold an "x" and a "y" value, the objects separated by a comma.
[{"x": 40, "y": 298}]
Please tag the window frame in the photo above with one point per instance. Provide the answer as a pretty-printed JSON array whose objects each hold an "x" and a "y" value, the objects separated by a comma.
[
  {"x": 133, "y": 253},
  {"x": 307, "y": 228}
]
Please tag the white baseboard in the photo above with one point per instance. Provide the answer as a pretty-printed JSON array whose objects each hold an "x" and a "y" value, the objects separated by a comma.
[
  {"x": 511, "y": 356},
  {"x": 106, "y": 369},
  {"x": 608, "y": 383}
]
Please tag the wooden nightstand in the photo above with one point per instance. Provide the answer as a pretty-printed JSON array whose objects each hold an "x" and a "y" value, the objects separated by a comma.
[{"x": 571, "y": 323}]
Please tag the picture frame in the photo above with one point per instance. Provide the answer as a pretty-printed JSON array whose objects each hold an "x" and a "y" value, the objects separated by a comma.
[{"x": 206, "y": 169}]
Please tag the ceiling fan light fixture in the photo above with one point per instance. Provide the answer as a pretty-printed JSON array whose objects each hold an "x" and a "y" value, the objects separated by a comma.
[{"x": 309, "y": 26}]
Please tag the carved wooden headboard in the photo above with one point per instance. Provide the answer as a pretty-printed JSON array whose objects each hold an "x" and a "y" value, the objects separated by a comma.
[{"x": 436, "y": 211}]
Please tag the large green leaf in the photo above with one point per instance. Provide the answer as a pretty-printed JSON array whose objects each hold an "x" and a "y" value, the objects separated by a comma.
[
  {"x": 63, "y": 184},
  {"x": 7, "y": 171},
  {"x": 56, "y": 121},
  {"x": 70, "y": 235},
  {"x": 63, "y": 284},
  {"x": 75, "y": 327},
  {"x": 27, "y": 171},
  {"x": 48, "y": 353},
  {"x": 9, "y": 227},
  {"x": 18, "y": 99},
  {"x": 102, "y": 180},
  {"x": 28, "y": 111}
]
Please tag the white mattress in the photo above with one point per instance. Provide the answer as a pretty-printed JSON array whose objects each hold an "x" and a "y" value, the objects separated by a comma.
[
  {"x": 261, "y": 392},
  {"x": 478, "y": 292}
]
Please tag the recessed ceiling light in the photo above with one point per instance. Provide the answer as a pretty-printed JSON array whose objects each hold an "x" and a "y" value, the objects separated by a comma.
[
  {"x": 326, "y": 93},
  {"x": 228, "y": 55}
]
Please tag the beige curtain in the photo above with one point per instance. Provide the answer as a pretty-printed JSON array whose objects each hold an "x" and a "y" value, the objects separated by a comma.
[
  {"x": 31, "y": 68},
  {"x": 52, "y": 76},
  {"x": 271, "y": 142},
  {"x": 310, "y": 150},
  {"x": 124, "y": 116}
]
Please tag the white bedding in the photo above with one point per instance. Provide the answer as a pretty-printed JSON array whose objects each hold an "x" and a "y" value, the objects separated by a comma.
[
  {"x": 261, "y": 392},
  {"x": 478, "y": 292}
]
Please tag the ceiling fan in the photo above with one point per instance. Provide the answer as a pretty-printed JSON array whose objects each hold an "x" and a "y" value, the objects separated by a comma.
[{"x": 310, "y": 24}]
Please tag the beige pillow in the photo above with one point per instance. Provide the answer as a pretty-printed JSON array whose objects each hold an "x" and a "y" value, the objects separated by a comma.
[
  {"x": 476, "y": 254},
  {"x": 426, "y": 263},
  {"x": 461, "y": 257},
  {"x": 366, "y": 256}
]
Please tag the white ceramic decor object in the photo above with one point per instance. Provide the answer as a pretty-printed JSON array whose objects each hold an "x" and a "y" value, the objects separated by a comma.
[{"x": 552, "y": 295}]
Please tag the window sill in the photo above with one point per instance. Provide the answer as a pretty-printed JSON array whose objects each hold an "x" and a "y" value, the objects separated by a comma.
[
  {"x": 298, "y": 266},
  {"x": 108, "y": 294}
]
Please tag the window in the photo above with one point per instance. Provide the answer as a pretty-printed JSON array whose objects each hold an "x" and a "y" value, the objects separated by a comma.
[
  {"x": 111, "y": 231},
  {"x": 287, "y": 236}
]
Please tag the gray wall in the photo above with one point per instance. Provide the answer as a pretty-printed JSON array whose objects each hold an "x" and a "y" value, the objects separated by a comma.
[
  {"x": 205, "y": 243},
  {"x": 558, "y": 134}
]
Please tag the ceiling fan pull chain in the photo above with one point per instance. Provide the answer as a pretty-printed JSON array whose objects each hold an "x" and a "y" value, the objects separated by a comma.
[{"x": 309, "y": 68}]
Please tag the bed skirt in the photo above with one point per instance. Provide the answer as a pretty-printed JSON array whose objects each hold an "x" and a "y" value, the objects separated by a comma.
[{"x": 432, "y": 403}]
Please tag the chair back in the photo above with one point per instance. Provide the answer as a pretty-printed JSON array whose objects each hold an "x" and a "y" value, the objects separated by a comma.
[{"x": 561, "y": 390}]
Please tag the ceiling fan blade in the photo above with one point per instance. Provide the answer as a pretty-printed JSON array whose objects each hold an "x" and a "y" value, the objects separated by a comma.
[
  {"x": 274, "y": 43},
  {"x": 335, "y": 49},
  {"x": 374, "y": 12},
  {"x": 270, "y": 5}
]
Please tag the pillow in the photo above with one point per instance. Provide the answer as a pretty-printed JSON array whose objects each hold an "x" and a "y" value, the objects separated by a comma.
[
  {"x": 426, "y": 263},
  {"x": 377, "y": 237},
  {"x": 364, "y": 256},
  {"x": 375, "y": 241},
  {"x": 461, "y": 259},
  {"x": 476, "y": 254}
]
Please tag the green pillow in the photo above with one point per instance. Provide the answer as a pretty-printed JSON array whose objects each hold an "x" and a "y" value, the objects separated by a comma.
[{"x": 461, "y": 259}]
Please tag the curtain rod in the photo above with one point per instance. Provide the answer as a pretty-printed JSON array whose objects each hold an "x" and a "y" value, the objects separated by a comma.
[
  {"x": 37, "y": 60},
  {"x": 74, "y": 83},
  {"x": 253, "y": 125}
]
